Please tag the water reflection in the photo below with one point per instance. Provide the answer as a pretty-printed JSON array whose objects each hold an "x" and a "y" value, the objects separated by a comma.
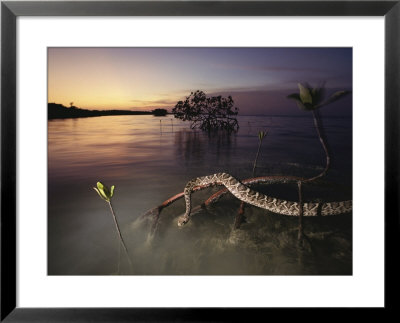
[
  {"x": 208, "y": 149},
  {"x": 189, "y": 146}
]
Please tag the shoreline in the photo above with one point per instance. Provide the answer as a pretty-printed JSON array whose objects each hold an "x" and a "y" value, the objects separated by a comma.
[
  {"x": 58, "y": 111},
  {"x": 101, "y": 115}
]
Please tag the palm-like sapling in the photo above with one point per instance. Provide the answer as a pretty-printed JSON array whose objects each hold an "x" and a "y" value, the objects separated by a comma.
[{"x": 311, "y": 99}]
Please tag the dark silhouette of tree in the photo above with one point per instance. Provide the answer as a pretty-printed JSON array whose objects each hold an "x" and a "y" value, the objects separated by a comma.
[
  {"x": 207, "y": 113},
  {"x": 160, "y": 112},
  {"x": 59, "y": 111}
]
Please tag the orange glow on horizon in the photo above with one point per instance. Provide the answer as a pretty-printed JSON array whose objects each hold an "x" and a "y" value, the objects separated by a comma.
[
  {"x": 112, "y": 104},
  {"x": 97, "y": 79}
]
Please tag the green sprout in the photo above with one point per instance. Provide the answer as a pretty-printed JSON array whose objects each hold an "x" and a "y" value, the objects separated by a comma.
[
  {"x": 261, "y": 135},
  {"x": 106, "y": 194}
]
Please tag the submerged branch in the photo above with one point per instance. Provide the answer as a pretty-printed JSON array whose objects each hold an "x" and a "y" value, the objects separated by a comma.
[{"x": 239, "y": 219}]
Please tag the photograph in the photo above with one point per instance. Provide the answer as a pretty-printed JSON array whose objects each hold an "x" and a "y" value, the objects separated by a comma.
[{"x": 200, "y": 161}]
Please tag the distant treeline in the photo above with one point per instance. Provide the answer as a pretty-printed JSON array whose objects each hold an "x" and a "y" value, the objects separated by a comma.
[{"x": 59, "y": 111}]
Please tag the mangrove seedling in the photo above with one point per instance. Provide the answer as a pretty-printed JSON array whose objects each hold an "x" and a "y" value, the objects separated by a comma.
[
  {"x": 106, "y": 194},
  {"x": 311, "y": 99},
  {"x": 261, "y": 135},
  {"x": 240, "y": 216}
]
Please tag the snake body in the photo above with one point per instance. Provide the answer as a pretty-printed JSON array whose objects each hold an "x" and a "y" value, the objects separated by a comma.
[{"x": 275, "y": 205}]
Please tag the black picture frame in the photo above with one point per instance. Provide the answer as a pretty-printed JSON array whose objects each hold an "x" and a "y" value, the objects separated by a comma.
[{"x": 10, "y": 10}]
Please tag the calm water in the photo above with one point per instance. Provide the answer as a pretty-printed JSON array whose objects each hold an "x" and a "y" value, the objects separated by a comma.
[{"x": 149, "y": 161}]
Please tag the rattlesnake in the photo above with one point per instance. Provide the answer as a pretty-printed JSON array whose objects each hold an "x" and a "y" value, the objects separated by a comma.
[{"x": 246, "y": 194}]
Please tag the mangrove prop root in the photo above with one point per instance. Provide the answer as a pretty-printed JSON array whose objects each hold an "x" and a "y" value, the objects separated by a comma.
[
  {"x": 240, "y": 218},
  {"x": 300, "y": 235}
]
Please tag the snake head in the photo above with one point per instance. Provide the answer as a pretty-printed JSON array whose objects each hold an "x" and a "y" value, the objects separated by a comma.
[{"x": 183, "y": 220}]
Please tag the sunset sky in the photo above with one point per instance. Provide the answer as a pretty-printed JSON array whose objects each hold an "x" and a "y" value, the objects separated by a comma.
[{"x": 258, "y": 79}]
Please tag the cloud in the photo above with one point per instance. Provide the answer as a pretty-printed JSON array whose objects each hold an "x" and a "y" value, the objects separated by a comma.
[
  {"x": 275, "y": 102},
  {"x": 156, "y": 102},
  {"x": 264, "y": 68}
]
